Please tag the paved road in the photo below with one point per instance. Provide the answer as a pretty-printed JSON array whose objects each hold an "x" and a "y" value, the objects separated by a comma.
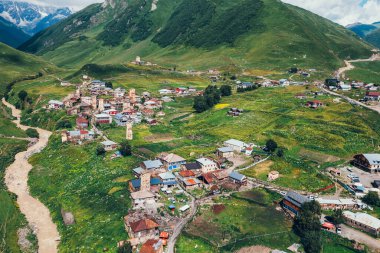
[
  {"x": 179, "y": 227},
  {"x": 16, "y": 179},
  {"x": 352, "y": 101}
]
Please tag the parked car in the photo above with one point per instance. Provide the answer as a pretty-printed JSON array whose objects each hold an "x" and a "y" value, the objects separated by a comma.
[{"x": 338, "y": 230}]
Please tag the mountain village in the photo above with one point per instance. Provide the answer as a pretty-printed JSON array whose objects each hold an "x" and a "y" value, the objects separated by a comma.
[
  {"x": 206, "y": 126},
  {"x": 168, "y": 189}
]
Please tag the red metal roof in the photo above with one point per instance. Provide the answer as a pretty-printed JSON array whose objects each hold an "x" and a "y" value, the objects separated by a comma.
[{"x": 187, "y": 173}]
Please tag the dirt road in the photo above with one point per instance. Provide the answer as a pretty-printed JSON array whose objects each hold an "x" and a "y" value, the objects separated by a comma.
[
  {"x": 352, "y": 234},
  {"x": 16, "y": 179},
  {"x": 341, "y": 73}
]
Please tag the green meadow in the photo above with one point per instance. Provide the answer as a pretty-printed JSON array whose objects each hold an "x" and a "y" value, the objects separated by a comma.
[
  {"x": 368, "y": 72},
  {"x": 93, "y": 188},
  {"x": 247, "y": 219}
]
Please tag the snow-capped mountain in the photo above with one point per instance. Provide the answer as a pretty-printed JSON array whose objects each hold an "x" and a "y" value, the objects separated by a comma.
[{"x": 31, "y": 18}]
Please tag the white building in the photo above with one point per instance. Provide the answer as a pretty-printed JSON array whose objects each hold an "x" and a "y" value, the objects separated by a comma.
[
  {"x": 363, "y": 222},
  {"x": 207, "y": 165},
  {"x": 236, "y": 145}
]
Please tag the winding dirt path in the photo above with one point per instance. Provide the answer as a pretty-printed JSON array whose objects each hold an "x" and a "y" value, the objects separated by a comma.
[
  {"x": 341, "y": 73},
  {"x": 16, "y": 179}
]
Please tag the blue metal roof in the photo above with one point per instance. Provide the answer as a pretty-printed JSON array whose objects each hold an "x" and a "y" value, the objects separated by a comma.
[
  {"x": 237, "y": 176},
  {"x": 170, "y": 183},
  {"x": 136, "y": 183}
]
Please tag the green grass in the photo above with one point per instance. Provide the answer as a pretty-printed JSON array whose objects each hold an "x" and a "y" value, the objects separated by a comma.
[
  {"x": 74, "y": 178},
  {"x": 8, "y": 128},
  {"x": 188, "y": 244},
  {"x": 281, "y": 36},
  {"x": 368, "y": 72},
  {"x": 242, "y": 223},
  {"x": 16, "y": 65},
  {"x": 10, "y": 217}
]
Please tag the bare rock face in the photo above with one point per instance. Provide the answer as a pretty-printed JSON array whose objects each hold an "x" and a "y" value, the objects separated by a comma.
[
  {"x": 23, "y": 240},
  {"x": 110, "y": 3},
  {"x": 68, "y": 218}
]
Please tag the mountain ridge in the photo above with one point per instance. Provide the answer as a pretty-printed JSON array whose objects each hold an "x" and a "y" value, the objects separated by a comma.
[
  {"x": 269, "y": 32},
  {"x": 32, "y": 18},
  {"x": 11, "y": 34},
  {"x": 368, "y": 32}
]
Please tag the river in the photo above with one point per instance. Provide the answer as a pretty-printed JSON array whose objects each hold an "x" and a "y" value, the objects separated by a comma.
[{"x": 16, "y": 179}]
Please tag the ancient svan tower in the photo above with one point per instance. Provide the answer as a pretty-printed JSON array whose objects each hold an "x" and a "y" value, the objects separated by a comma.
[
  {"x": 129, "y": 132},
  {"x": 64, "y": 137},
  {"x": 126, "y": 106},
  {"x": 94, "y": 103},
  {"x": 145, "y": 181},
  {"x": 132, "y": 95},
  {"x": 101, "y": 105}
]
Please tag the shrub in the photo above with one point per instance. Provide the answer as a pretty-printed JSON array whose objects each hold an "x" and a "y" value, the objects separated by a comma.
[
  {"x": 125, "y": 148},
  {"x": 372, "y": 198},
  {"x": 271, "y": 145},
  {"x": 100, "y": 150},
  {"x": 32, "y": 133},
  {"x": 225, "y": 90},
  {"x": 63, "y": 124}
]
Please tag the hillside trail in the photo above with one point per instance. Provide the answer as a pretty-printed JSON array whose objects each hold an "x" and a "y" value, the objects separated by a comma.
[
  {"x": 341, "y": 73},
  {"x": 16, "y": 179}
]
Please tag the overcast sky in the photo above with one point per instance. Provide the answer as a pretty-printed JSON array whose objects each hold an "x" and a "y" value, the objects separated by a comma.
[{"x": 341, "y": 11}]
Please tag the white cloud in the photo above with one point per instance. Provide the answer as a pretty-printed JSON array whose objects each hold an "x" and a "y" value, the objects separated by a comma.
[
  {"x": 74, "y": 4},
  {"x": 343, "y": 11}
]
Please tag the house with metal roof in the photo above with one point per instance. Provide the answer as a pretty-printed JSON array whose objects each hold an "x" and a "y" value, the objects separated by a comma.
[
  {"x": 135, "y": 184},
  {"x": 109, "y": 145},
  {"x": 207, "y": 164},
  {"x": 363, "y": 221},
  {"x": 293, "y": 201},
  {"x": 172, "y": 161},
  {"x": 368, "y": 162},
  {"x": 168, "y": 178},
  {"x": 225, "y": 152},
  {"x": 236, "y": 145},
  {"x": 237, "y": 178},
  {"x": 151, "y": 164}
]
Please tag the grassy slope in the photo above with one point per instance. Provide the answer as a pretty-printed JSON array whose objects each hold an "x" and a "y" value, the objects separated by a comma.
[
  {"x": 311, "y": 137},
  {"x": 243, "y": 218},
  {"x": 15, "y": 65},
  {"x": 365, "y": 71},
  {"x": 73, "y": 178},
  {"x": 292, "y": 37}
]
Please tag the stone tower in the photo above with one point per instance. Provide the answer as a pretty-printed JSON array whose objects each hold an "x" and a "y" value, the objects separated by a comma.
[
  {"x": 126, "y": 106},
  {"x": 101, "y": 104},
  {"x": 129, "y": 132},
  {"x": 132, "y": 95},
  {"x": 94, "y": 103},
  {"x": 145, "y": 181}
]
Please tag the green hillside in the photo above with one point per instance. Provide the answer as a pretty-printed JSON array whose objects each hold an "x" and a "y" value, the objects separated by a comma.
[
  {"x": 374, "y": 38},
  {"x": 16, "y": 65},
  {"x": 11, "y": 34},
  {"x": 193, "y": 34}
]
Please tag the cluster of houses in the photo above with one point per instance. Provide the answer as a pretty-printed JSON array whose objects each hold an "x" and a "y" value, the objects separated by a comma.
[
  {"x": 171, "y": 174},
  {"x": 293, "y": 201},
  {"x": 95, "y": 103},
  {"x": 372, "y": 90},
  {"x": 180, "y": 91}
]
